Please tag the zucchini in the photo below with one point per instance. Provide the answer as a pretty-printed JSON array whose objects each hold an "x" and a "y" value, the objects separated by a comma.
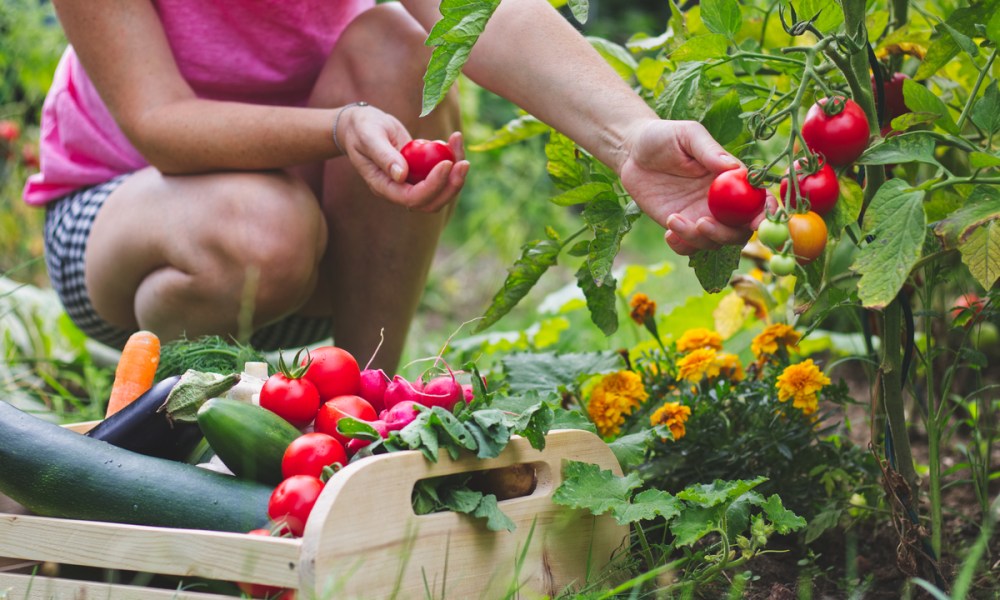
[
  {"x": 249, "y": 439},
  {"x": 56, "y": 472}
]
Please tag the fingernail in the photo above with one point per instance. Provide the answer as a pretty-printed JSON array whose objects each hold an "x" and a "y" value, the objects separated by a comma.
[
  {"x": 730, "y": 160},
  {"x": 396, "y": 172}
]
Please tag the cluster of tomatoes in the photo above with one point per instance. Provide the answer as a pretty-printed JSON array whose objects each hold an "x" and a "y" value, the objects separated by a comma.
[{"x": 10, "y": 132}]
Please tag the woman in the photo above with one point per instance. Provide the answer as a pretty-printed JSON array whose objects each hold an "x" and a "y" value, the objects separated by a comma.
[{"x": 194, "y": 168}]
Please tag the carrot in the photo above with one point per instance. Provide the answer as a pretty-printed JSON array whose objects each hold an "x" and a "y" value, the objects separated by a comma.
[{"x": 135, "y": 371}]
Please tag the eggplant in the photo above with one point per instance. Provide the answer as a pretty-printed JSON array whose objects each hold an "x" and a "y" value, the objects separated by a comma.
[{"x": 142, "y": 427}]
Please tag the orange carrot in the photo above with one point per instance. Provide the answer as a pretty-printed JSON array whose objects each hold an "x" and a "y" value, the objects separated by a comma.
[{"x": 135, "y": 371}]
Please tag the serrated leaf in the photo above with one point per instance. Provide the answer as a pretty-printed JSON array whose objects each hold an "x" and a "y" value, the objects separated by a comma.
[
  {"x": 589, "y": 487},
  {"x": 981, "y": 253},
  {"x": 723, "y": 119},
  {"x": 920, "y": 99},
  {"x": 648, "y": 505},
  {"x": 847, "y": 209},
  {"x": 683, "y": 97},
  {"x": 552, "y": 372},
  {"x": 714, "y": 268},
  {"x": 694, "y": 523},
  {"x": 536, "y": 258},
  {"x": 516, "y": 130},
  {"x": 649, "y": 71},
  {"x": 896, "y": 220},
  {"x": 912, "y": 119},
  {"x": 982, "y": 206},
  {"x": 600, "y": 299},
  {"x": 443, "y": 69},
  {"x": 963, "y": 41},
  {"x": 616, "y": 56},
  {"x": 945, "y": 48},
  {"x": 981, "y": 160},
  {"x": 610, "y": 222},
  {"x": 722, "y": 16},
  {"x": 784, "y": 520},
  {"x": 582, "y": 193},
  {"x": 719, "y": 491},
  {"x": 701, "y": 47},
  {"x": 738, "y": 513},
  {"x": 580, "y": 10},
  {"x": 916, "y": 146},
  {"x": 986, "y": 111},
  {"x": 563, "y": 167},
  {"x": 630, "y": 449}
]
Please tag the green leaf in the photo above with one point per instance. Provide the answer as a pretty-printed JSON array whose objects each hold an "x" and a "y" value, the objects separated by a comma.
[
  {"x": 563, "y": 166},
  {"x": 684, "y": 97},
  {"x": 553, "y": 372},
  {"x": 589, "y": 487},
  {"x": 714, "y": 268},
  {"x": 945, "y": 48},
  {"x": 701, "y": 47},
  {"x": 649, "y": 72},
  {"x": 847, "y": 209},
  {"x": 981, "y": 160},
  {"x": 917, "y": 146},
  {"x": 963, "y": 41},
  {"x": 719, "y": 491},
  {"x": 896, "y": 220},
  {"x": 491, "y": 432},
  {"x": 610, "y": 222},
  {"x": 516, "y": 130},
  {"x": 993, "y": 28},
  {"x": 723, "y": 120},
  {"x": 600, "y": 299},
  {"x": 583, "y": 193},
  {"x": 981, "y": 207},
  {"x": 536, "y": 258},
  {"x": 443, "y": 69},
  {"x": 356, "y": 428},
  {"x": 630, "y": 449},
  {"x": 616, "y": 56},
  {"x": 986, "y": 111},
  {"x": 912, "y": 119},
  {"x": 830, "y": 14},
  {"x": 981, "y": 253},
  {"x": 722, "y": 16},
  {"x": 738, "y": 513},
  {"x": 580, "y": 10},
  {"x": 647, "y": 505},
  {"x": 535, "y": 424},
  {"x": 694, "y": 523},
  {"x": 920, "y": 99},
  {"x": 784, "y": 520},
  {"x": 496, "y": 520}
]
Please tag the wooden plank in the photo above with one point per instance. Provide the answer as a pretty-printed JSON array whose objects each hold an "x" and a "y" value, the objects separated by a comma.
[
  {"x": 33, "y": 587},
  {"x": 183, "y": 552},
  {"x": 364, "y": 523},
  {"x": 81, "y": 427}
]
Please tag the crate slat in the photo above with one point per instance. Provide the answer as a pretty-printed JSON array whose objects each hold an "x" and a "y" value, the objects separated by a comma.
[{"x": 35, "y": 587}]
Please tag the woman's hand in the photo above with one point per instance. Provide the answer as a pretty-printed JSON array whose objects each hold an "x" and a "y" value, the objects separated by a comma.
[
  {"x": 668, "y": 168},
  {"x": 372, "y": 139}
]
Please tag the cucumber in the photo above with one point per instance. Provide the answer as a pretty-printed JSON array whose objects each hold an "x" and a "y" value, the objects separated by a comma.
[
  {"x": 249, "y": 439},
  {"x": 56, "y": 472}
]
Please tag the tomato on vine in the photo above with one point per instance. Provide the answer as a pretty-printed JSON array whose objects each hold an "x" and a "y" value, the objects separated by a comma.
[
  {"x": 820, "y": 188},
  {"x": 772, "y": 234},
  {"x": 781, "y": 264},
  {"x": 809, "y": 233},
  {"x": 840, "y": 137},
  {"x": 732, "y": 200}
]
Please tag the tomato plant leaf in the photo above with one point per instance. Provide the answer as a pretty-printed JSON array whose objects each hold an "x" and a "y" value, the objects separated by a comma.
[
  {"x": 553, "y": 372},
  {"x": 583, "y": 193},
  {"x": 993, "y": 28},
  {"x": 896, "y": 221},
  {"x": 963, "y": 41},
  {"x": 784, "y": 520},
  {"x": 649, "y": 72},
  {"x": 981, "y": 253},
  {"x": 982, "y": 160},
  {"x": 684, "y": 97},
  {"x": 982, "y": 206},
  {"x": 723, "y": 119},
  {"x": 616, "y": 56},
  {"x": 563, "y": 166},
  {"x": 722, "y": 16},
  {"x": 443, "y": 69},
  {"x": 945, "y": 48},
  {"x": 847, "y": 209},
  {"x": 714, "y": 268},
  {"x": 589, "y": 487},
  {"x": 701, "y": 47},
  {"x": 986, "y": 111},
  {"x": 536, "y": 258},
  {"x": 648, "y": 505},
  {"x": 580, "y": 10},
  {"x": 920, "y": 99},
  {"x": 916, "y": 146},
  {"x": 610, "y": 222},
  {"x": 601, "y": 301},
  {"x": 516, "y": 130}
]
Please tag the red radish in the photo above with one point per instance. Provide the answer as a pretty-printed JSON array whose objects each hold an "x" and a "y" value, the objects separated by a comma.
[
  {"x": 400, "y": 390},
  {"x": 373, "y": 385},
  {"x": 468, "y": 393},
  {"x": 355, "y": 444},
  {"x": 442, "y": 391},
  {"x": 401, "y": 415}
]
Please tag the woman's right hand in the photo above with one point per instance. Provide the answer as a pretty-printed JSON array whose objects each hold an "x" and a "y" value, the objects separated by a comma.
[{"x": 372, "y": 139}]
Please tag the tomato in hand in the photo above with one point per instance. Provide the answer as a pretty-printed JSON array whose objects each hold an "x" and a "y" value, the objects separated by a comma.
[
  {"x": 293, "y": 500},
  {"x": 296, "y": 400},
  {"x": 308, "y": 454},
  {"x": 423, "y": 155},
  {"x": 337, "y": 408},
  {"x": 333, "y": 371},
  {"x": 258, "y": 590},
  {"x": 820, "y": 188},
  {"x": 808, "y": 231},
  {"x": 772, "y": 234},
  {"x": 732, "y": 200},
  {"x": 839, "y": 138}
]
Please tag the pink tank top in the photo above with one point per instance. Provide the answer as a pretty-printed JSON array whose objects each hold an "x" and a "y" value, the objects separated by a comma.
[{"x": 256, "y": 51}]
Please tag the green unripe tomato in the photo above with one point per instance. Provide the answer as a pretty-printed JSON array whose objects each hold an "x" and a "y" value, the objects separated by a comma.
[
  {"x": 782, "y": 264},
  {"x": 772, "y": 234}
]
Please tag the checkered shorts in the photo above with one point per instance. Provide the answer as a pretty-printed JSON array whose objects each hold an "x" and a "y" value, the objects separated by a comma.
[{"x": 67, "y": 227}]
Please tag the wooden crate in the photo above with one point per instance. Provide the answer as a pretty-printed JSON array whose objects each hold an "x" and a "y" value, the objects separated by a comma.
[{"x": 363, "y": 539}]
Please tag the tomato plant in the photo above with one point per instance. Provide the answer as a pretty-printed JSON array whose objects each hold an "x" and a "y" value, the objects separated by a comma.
[
  {"x": 292, "y": 501},
  {"x": 809, "y": 233},
  {"x": 335, "y": 409},
  {"x": 334, "y": 372},
  {"x": 839, "y": 137},
  {"x": 423, "y": 155},
  {"x": 772, "y": 234},
  {"x": 820, "y": 188},
  {"x": 782, "y": 264},
  {"x": 310, "y": 453},
  {"x": 732, "y": 200}
]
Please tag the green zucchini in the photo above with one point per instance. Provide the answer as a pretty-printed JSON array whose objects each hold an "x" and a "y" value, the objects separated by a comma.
[
  {"x": 56, "y": 472},
  {"x": 249, "y": 439}
]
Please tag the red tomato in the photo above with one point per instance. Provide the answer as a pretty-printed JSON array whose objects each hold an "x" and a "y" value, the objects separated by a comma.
[
  {"x": 10, "y": 131},
  {"x": 294, "y": 400},
  {"x": 258, "y": 590},
  {"x": 969, "y": 303},
  {"x": 336, "y": 409},
  {"x": 894, "y": 103},
  {"x": 334, "y": 372},
  {"x": 423, "y": 155},
  {"x": 732, "y": 200},
  {"x": 840, "y": 138},
  {"x": 808, "y": 231},
  {"x": 309, "y": 453},
  {"x": 821, "y": 188},
  {"x": 29, "y": 155},
  {"x": 293, "y": 500}
]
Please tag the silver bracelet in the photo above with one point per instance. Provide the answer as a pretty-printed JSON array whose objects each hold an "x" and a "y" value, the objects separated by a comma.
[{"x": 336, "y": 122}]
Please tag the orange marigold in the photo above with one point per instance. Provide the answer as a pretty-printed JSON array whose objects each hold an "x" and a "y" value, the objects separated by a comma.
[
  {"x": 802, "y": 383},
  {"x": 642, "y": 308},
  {"x": 613, "y": 399},
  {"x": 673, "y": 415},
  {"x": 697, "y": 365},
  {"x": 774, "y": 336},
  {"x": 699, "y": 337},
  {"x": 730, "y": 366}
]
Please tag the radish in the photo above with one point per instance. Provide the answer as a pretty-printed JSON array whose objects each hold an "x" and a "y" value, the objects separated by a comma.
[
  {"x": 442, "y": 391},
  {"x": 400, "y": 415},
  {"x": 400, "y": 390},
  {"x": 468, "y": 393},
  {"x": 373, "y": 385}
]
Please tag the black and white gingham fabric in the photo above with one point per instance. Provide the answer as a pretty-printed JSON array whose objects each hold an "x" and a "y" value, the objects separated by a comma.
[{"x": 68, "y": 222}]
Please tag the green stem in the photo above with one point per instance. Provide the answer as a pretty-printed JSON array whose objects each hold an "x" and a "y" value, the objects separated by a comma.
[
  {"x": 892, "y": 387},
  {"x": 933, "y": 418},
  {"x": 967, "y": 110},
  {"x": 953, "y": 181}
]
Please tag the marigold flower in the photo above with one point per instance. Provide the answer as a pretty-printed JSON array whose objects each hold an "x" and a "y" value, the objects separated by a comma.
[
  {"x": 613, "y": 399},
  {"x": 730, "y": 366},
  {"x": 697, "y": 365},
  {"x": 699, "y": 337},
  {"x": 673, "y": 415},
  {"x": 774, "y": 336},
  {"x": 642, "y": 308},
  {"x": 802, "y": 383}
]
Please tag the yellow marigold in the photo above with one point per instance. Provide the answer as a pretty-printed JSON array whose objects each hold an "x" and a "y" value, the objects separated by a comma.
[
  {"x": 699, "y": 337},
  {"x": 697, "y": 365},
  {"x": 730, "y": 366},
  {"x": 802, "y": 383},
  {"x": 613, "y": 399},
  {"x": 673, "y": 415},
  {"x": 642, "y": 308},
  {"x": 774, "y": 336}
]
